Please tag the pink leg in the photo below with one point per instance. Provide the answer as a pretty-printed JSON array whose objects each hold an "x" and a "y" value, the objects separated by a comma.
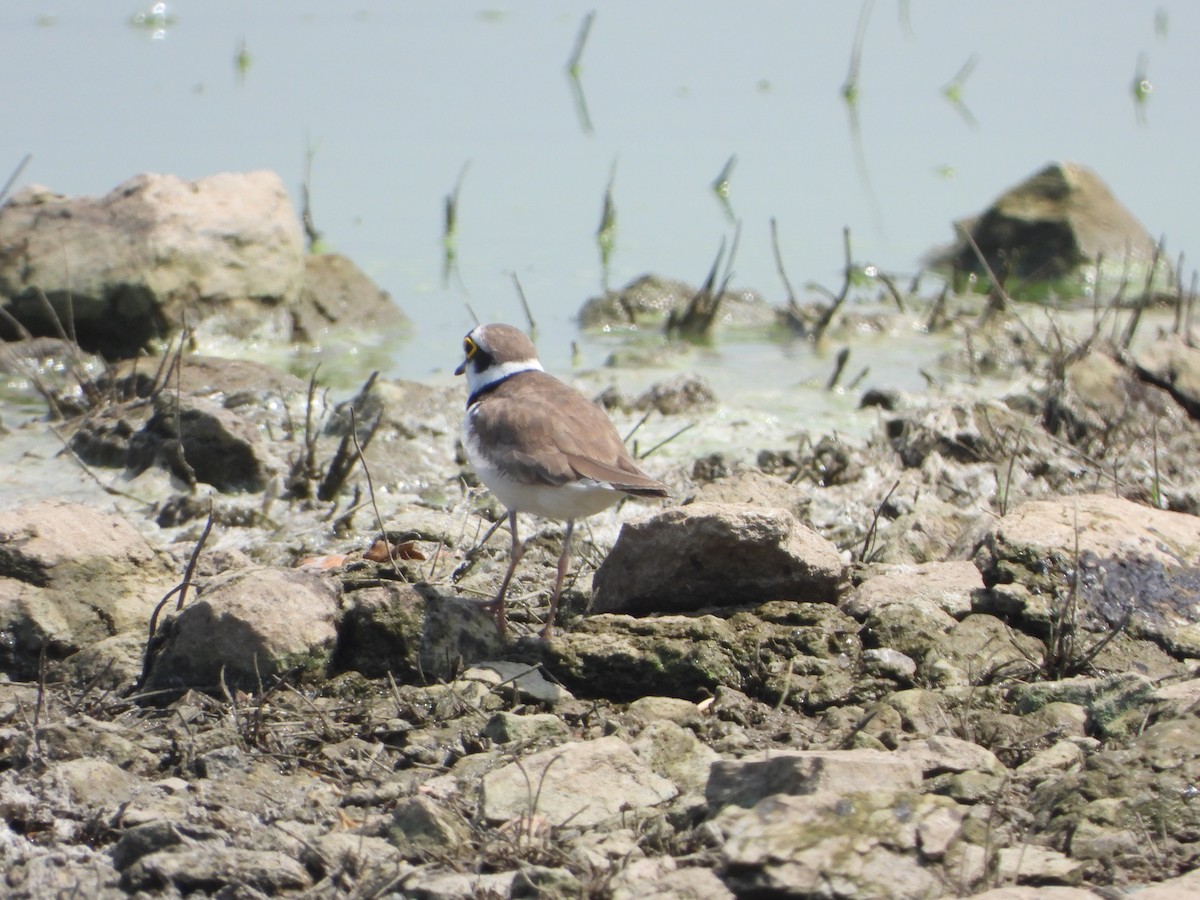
[
  {"x": 497, "y": 604},
  {"x": 548, "y": 628}
]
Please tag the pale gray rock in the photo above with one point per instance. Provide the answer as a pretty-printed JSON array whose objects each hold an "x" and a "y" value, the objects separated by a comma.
[
  {"x": 1037, "y": 865},
  {"x": 836, "y": 845},
  {"x": 950, "y": 585},
  {"x": 664, "y": 709},
  {"x": 711, "y": 555},
  {"x": 421, "y": 827},
  {"x": 661, "y": 878},
  {"x": 758, "y": 489},
  {"x": 70, "y": 577},
  {"x": 1132, "y": 559},
  {"x": 151, "y": 248},
  {"x": 247, "y": 626},
  {"x": 943, "y": 753},
  {"x": 676, "y": 754},
  {"x": 1062, "y": 756},
  {"x": 211, "y": 865},
  {"x": 1048, "y": 892},
  {"x": 744, "y": 782},
  {"x": 505, "y": 727},
  {"x": 583, "y": 783},
  {"x": 888, "y": 663}
]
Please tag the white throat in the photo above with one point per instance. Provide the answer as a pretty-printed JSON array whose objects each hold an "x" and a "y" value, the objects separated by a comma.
[{"x": 477, "y": 381}]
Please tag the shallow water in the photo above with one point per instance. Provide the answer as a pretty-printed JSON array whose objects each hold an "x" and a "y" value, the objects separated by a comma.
[{"x": 397, "y": 100}]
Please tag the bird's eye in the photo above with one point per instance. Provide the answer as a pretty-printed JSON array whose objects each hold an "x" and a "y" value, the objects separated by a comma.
[{"x": 469, "y": 347}]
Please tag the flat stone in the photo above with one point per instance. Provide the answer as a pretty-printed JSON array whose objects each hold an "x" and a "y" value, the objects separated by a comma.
[
  {"x": 744, "y": 782},
  {"x": 581, "y": 783}
]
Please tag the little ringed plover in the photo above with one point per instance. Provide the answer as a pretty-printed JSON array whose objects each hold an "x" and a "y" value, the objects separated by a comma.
[{"x": 540, "y": 445}]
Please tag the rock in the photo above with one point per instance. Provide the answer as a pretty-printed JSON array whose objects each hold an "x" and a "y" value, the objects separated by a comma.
[
  {"x": 338, "y": 294},
  {"x": 198, "y": 440},
  {"x": 1015, "y": 892},
  {"x": 151, "y": 248},
  {"x": 1116, "y": 704},
  {"x": 756, "y": 488},
  {"x": 1172, "y": 888},
  {"x": 941, "y": 753},
  {"x": 661, "y": 878},
  {"x": 1102, "y": 805},
  {"x": 676, "y": 754},
  {"x": 911, "y": 626},
  {"x": 1056, "y": 759},
  {"x": 744, "y": 782},
  {"x": 950, "y": 585},
  {"x": 708, "y": 555},
  {"x": 625, "y": 658},
  {"x": 413, "y": 632},
  {"x": 581, "y": 783},
  {"x": 525, "y": 681},
  {"x": 247, "y": 627},
  {"x": 506, "y": 727},
  {"x": 1133, "y": 561},
  {"x": 210, "y": 866},
  {"x": 649, "y": 299},
  {"x": 682, "y": 394},
  {"x": 664, "y": 709},
  {"x": 979, "y": 650},
  {"x": 71, "y": 577},
  {"x": 888, "y": 663},
  {"x": 422, "y": 828},
  {"x": 926, "y": 532},
  {"x": 1037, "y": 865},
  {"x": 1058, "y": 222},
  {"x": 1174, "y": 365},
  {"x": 838, "y": 845}
]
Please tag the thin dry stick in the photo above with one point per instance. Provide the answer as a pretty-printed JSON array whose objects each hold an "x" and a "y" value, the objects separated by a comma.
[
  {"x": 839, "y": 366},
  {"x": 1143, "y": 301},
  {"x": 847, "y": 277},
  {"x": 585, "y": 28},
  {"x": 14, "y": 176},
  {"x": 667, "y": 440},
  {"x": 793, "y": 305},
  {"x": 371, "y": 490},
  {"x": 524, "y": 305}
]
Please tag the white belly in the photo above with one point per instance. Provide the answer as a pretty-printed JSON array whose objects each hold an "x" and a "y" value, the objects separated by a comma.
[{"x": 574, "y": 500}]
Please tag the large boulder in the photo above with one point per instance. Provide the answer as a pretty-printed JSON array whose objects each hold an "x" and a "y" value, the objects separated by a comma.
[
  {"x": 122, "y": 269},
  {"x": 715, "y": 555},
  {"x": 1054, "y": 224}
]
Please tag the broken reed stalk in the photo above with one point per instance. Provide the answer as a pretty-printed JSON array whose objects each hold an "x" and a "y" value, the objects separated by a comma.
[
  {"x": 868, "y": 546},
  {"x": 180, "y": 589},
  {"x": 16, "y": 173},
  {"x": 794, "y": 313},
  {"x": 525, "y": 306},
  {"x": 340, "y": 466},
  {"x": 371, "y": 489},
  {"x": 847, "y": 278},
  {"x": 585, "y": 29},
  {"x": 839, "y": 366},
  {"x": 938, "y": 307},
  {"x": 720, "y": 185},
  {"x": 1144, "y": 300},
  {"x": 698, "y": 318},
  {"x": 850, "y": 86},
  {"x": 890, "y": 284},
  {"x": 311, "y": 233}
]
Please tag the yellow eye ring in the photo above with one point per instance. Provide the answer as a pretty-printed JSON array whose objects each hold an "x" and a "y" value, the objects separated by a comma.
[{"x": 469, "y": 347}]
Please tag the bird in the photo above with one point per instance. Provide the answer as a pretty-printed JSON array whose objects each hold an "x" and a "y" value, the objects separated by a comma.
[{"x": 540, "y": 445}]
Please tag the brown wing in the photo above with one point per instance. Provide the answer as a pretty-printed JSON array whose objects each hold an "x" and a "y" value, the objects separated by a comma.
[{"x": 553, "y": 434}]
